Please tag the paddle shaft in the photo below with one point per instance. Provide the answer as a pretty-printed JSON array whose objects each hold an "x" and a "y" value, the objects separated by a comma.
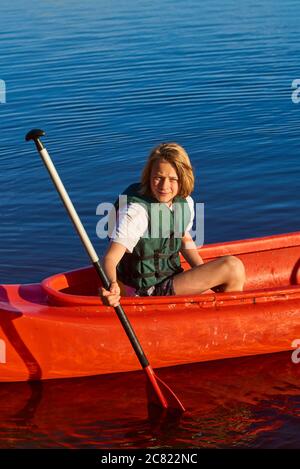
[
  {"x": 90, "y": 250},
  {"x": 158, "y": 392}
]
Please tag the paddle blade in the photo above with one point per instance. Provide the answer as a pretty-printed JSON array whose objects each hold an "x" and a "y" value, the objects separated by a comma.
[{"x": 159, "y": 392}]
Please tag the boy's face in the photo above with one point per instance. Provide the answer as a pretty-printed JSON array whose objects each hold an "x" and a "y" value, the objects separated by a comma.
[{"x": 164, "y": 182}]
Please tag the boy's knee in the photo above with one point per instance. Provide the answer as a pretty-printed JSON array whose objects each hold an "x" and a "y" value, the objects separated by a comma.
[{"x": 235, "y": 267}]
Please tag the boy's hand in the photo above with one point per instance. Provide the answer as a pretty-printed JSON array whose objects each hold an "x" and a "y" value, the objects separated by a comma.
[{"x": 112, "y": 296}]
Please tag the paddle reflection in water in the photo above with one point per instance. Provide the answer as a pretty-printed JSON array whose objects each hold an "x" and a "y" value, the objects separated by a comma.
[{"x": 244, "y": 402}]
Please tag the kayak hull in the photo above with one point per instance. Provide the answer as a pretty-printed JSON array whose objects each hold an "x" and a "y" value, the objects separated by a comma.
[{"x": 60, "y": 329}]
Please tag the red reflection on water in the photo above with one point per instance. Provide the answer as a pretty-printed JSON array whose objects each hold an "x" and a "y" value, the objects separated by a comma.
[{"x": 252, "y": 401}]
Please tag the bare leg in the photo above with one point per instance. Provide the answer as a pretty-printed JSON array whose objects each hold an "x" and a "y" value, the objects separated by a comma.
[{"x": 223, "y": 274}]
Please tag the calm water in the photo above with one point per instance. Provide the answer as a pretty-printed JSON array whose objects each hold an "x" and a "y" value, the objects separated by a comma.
[
  {"x": 250, "y": 402},
  {"x": 107, "y": 80}
]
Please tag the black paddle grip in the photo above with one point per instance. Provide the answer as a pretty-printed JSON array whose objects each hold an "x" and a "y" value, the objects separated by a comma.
[{"x": 35, "y": 135}]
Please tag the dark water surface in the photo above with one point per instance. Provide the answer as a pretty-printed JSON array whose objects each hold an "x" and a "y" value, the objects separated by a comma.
[
  {"x": 246, "y": 402},
  {"x": 108, "y": 80}
]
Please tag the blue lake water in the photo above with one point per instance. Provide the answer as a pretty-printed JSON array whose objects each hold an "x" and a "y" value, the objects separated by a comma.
[{"x": 107, "y": 81}]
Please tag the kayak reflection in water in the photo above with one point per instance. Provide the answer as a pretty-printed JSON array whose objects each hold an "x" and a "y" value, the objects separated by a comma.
[{"x": 152, "y": 228}]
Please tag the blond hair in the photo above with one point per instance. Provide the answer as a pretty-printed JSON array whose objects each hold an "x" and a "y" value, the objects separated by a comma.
[{"x": 179, "y": 159}]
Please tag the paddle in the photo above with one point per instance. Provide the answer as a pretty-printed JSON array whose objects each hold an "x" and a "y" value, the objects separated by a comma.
[{"x": 158, "y": 392}]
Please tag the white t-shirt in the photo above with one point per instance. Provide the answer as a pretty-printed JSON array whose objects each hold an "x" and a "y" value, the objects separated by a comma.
[{"x": 132, "y": 224}]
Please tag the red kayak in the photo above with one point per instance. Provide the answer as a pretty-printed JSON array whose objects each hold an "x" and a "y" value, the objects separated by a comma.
[{"x": 59, "y": 328}]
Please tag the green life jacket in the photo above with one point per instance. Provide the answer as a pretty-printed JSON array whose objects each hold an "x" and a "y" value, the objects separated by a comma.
[{"x": 156, "y": 255}]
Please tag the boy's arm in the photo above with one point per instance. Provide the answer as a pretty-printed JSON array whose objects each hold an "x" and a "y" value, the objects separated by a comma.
[
  {"x": 190, "y": 252},
  {"x": 111, "y": 259}
]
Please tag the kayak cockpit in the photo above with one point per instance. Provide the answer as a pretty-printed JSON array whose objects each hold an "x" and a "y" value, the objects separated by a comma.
[
  {"x": 272, "y": 264},
  {"x": 77, "y": 286}
]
